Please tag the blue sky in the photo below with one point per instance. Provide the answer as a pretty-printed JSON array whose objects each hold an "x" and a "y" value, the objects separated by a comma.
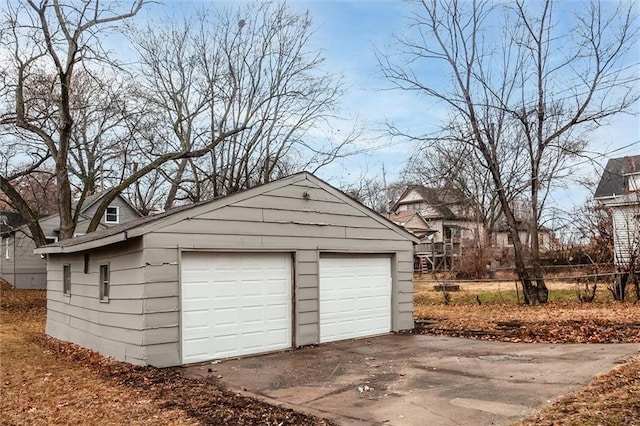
[{"x": 346, "y": 32}]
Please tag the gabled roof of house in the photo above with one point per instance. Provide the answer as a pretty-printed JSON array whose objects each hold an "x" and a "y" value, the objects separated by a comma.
[
  {"x": 87, "y": 203},
  {"x": 146, "y": 224},
  {"x": 404, "y": 216},
  {"x": 438, "y": 198},
  {"x": 94, "y": 198},
  {"x": 613, "y": 181}
]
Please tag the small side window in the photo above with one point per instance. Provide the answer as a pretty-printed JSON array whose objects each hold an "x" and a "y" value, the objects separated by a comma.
[
  {"x": 66, "y": 279},
  {"x": 7, "y": 253},
  {"x": 104, "y": 283},
  {"x": 86, "y": 263}
]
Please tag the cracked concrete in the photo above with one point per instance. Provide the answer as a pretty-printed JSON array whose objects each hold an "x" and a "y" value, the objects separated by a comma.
[{"x": 418, "y": 380}]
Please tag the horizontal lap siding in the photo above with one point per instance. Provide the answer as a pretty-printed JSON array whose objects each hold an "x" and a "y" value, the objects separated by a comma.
[
  {"x": 307, "y": 297},
  {"x": 30, "y": 269},
  {"x": 115, "y": 328},
  {"x": 162, "y": 307},
  {"x": 140, "y": 324},
  {"x": 404, "y": 289},
  {"x": 282, "y": 220}
]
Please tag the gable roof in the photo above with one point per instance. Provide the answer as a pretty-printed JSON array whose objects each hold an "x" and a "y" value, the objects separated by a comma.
[
  {"x": 88, "y": 202},
  {"x": 437, "y": 198},
  {"x": 94, "y": 198},
  {"x": 146, "y": 224},
  {"x": 613, "y": 181},
  {"x": 404, "y": 216}
]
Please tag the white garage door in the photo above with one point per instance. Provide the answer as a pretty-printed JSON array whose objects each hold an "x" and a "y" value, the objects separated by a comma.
[
  {"x": 355, "y": 297},
  {"x": 235, "y": 304}
]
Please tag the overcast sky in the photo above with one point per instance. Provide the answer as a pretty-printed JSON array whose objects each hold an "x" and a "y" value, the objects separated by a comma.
[{"x": 347, "y": 31}]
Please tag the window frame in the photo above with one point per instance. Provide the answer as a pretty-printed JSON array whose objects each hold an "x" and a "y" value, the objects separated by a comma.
[
  {"x": 117, "y": 214},
  {"x": 66, "y": 279},
  {"x": 104, "y": 283}
]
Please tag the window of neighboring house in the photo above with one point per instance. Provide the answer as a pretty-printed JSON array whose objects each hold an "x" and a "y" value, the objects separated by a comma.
[
  {"x": 112, "y": 215},
  {"x": 86, "y": 263},
  {"x": 104, "y": 283},
  {"x": 7, "y": 254},
  {"x": 448, "y": 233},
  {"x": 66, "y": 279},
  {"x": 509, "y": 238},
  {"x": 51, "y": 240}
]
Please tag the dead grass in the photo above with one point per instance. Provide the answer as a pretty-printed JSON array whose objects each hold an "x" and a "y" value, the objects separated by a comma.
[
  {"x": 45, "y": 381},
  {"x": 498, "y": 317},
  {"x": 612, "y": 399}
]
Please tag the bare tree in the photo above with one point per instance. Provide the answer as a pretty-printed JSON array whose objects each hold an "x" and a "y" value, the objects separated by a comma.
[
  {"x": 53, "y": 49},
  {"x": 46, "y": 43},
  {"x": 456, "y": 165},
  {"x": 520, "y": 81},
  {"x": 246, "y": 66}
]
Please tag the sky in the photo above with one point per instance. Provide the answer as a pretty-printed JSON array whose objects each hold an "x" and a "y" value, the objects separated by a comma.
[{"x": 347, "y": 33}]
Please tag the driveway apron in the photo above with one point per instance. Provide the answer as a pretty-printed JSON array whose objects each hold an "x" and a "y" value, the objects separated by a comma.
[{"x": 418, "y": 380}]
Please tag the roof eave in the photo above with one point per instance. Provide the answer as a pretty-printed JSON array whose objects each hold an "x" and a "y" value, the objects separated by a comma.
[{"x": 112, "y": 239}]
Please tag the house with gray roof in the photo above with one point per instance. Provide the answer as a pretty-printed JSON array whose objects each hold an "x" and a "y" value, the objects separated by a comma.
[
  {"x": 25, "y": 270},
  {"x": 452, "y": 219},
  {"x": 619, "y": 190}
]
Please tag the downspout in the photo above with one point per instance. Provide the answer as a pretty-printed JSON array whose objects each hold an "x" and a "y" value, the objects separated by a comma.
[{"x": 15, "y": 280}]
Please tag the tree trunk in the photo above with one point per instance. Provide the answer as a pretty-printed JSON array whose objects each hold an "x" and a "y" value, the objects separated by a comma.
[
  {"x": 619, "y": 288},
  {"x": 537, "y": 292}
]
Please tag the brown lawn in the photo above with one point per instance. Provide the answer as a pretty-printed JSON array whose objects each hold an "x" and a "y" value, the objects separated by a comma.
[{"x": 45, "y": 381}]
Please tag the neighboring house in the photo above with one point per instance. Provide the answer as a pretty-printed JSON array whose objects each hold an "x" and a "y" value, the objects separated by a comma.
[
  {"x": 290, "y": 263},
  {"x": 24, "y": 269},
  {"x": 619, "y": 190},
  {"x": 503, "y": 238},
  {"x": 450, "y": 215}
]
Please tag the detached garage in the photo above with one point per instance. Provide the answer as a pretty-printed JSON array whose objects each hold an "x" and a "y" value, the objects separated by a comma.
[{"x": 287, "y": 264}]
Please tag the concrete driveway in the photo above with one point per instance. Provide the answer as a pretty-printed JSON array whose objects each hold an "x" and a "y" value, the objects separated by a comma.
[{"x": 418, "y": 380}]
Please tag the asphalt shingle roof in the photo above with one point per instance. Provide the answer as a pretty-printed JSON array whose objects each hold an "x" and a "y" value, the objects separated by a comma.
[{"x": 613, "y": 180}]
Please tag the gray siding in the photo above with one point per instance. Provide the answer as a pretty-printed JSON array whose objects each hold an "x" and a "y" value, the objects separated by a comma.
[
  {"x": 24, "y": 269},
  {"x": 117, "y": 327},
  {"x": 280, "y": 220},
  {"x": 27, "y": 270},
  {"x": 126, "y": 213}
]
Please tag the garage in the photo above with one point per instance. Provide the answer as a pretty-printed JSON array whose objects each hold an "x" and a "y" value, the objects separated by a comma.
[
  {"x": 290, "y": 263},
  {"x": 235, "y": 304},
  {"x": 355, "y": 297}
]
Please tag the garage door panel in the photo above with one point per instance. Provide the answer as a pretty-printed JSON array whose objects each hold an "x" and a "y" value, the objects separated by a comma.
[
  {"x": 248, "y": 299},
  {"x": 355, "y": 297}
]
